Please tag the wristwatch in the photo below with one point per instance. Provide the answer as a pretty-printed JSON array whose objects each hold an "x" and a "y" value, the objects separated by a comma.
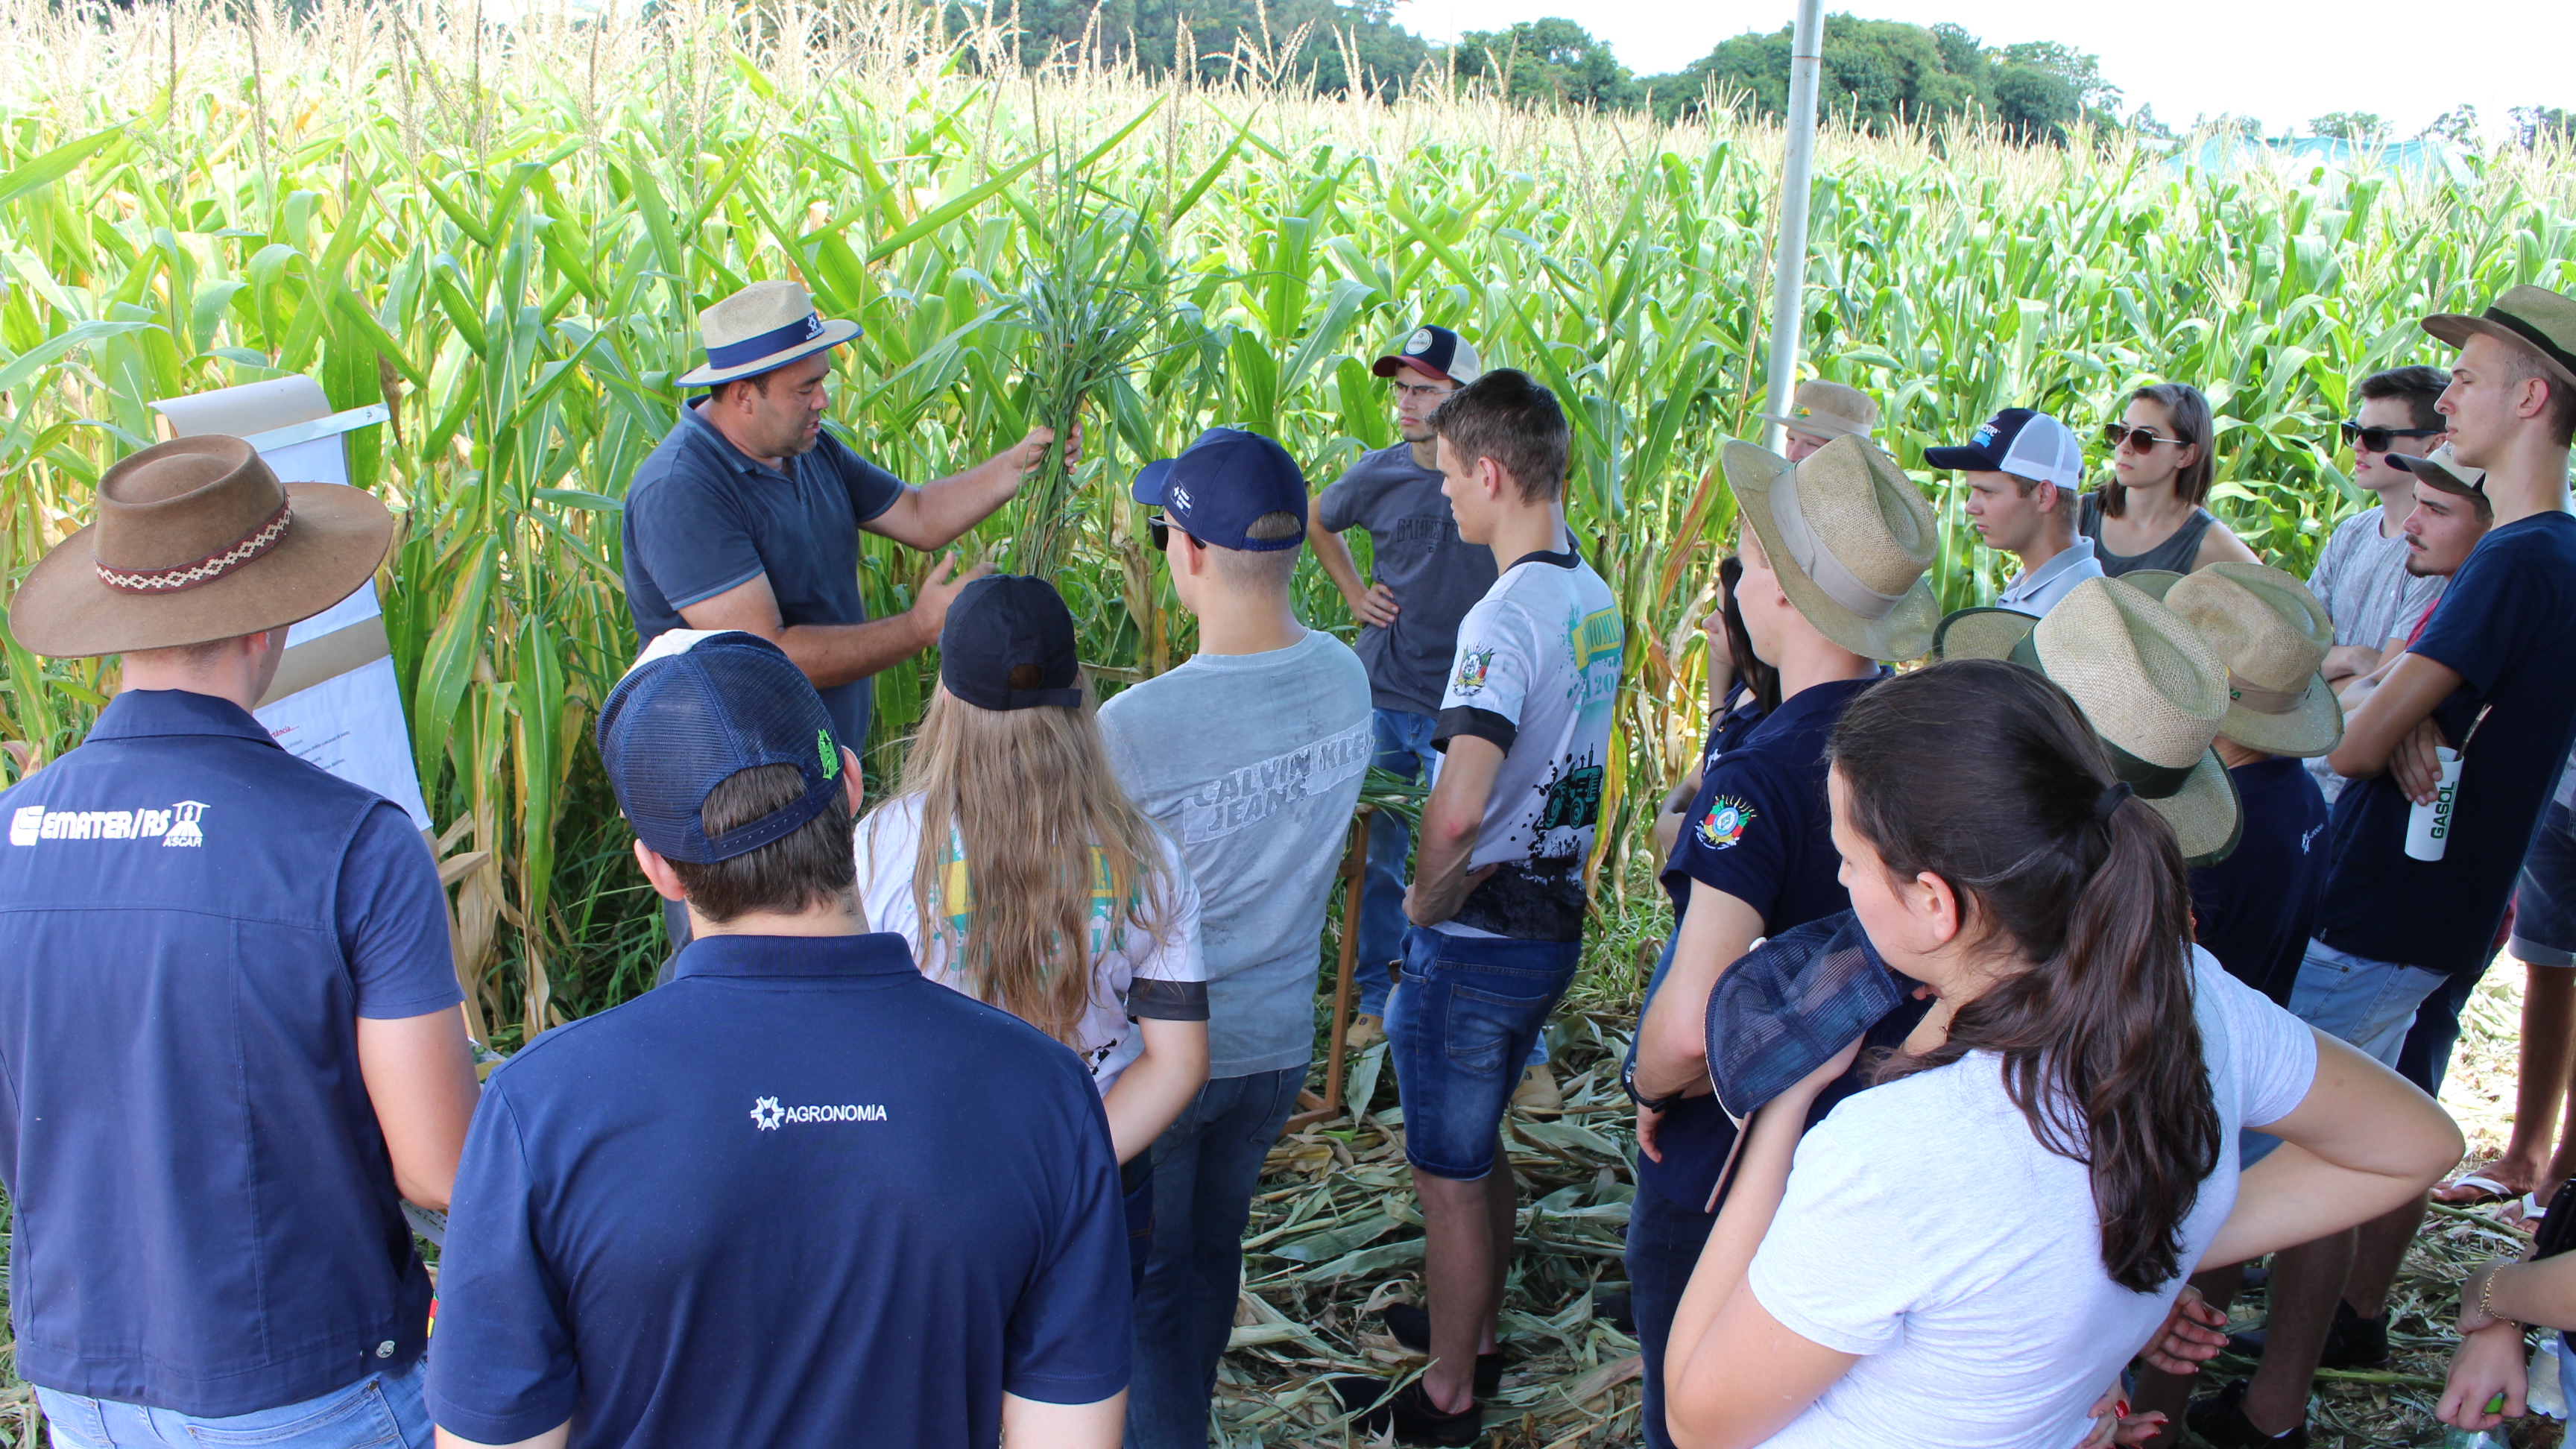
[{"x": 1628, "y": 1084}]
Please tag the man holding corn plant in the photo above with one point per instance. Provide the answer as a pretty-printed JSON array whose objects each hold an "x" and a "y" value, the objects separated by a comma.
[{"x": 748, "y": 514}]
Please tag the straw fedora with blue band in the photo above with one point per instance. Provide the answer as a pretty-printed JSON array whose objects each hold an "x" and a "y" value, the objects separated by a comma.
[
  {"x": 1849, "y": 536},
  {"x": 2151, "y": 687},
  {"x": 2535, "y": 319},
  {"x": 762, "y": 328},
  {"x": 2272, "y": 634},
  {"x": 197, "y": 540}
]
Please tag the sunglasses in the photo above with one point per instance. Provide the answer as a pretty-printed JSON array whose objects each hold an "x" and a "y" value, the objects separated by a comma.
[
  {"x": 1161, "y": 529},
  {"x": 2375, "y": 440},
  {"x": 2141, "y": 439}
]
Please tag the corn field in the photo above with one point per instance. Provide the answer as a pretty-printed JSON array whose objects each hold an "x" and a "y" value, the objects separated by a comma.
[{"x": 506, "y": 231}]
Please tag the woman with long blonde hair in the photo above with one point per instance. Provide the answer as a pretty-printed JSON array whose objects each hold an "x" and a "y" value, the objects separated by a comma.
[{"x": 1024, "y": 876}]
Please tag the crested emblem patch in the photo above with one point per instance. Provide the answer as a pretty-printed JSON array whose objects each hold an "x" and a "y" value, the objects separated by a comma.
[
  {"x": 1419, "y": 342},
  {"x": 1724, "y": 823},
  {"x": 1472, "y": 668}
]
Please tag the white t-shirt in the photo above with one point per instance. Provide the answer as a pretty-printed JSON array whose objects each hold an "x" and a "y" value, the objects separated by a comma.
[
  {"x": 1537, "y": 671},
  {"x": 889, "y": 841},
  {"x": 1927, "y": 1230}
]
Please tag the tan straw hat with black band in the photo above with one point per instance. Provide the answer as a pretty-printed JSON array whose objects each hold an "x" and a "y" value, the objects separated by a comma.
[
  {"x": 2535, "y": 319},
  {"x": 2272, "y": 635},
  {"x": 1849, "y": 536},
  {"x": 2151, "y": 687},
  {"x": 762, "y": 328},
  {"x": 196, "y": 540},
  {"x": 1828, "y": 410}
]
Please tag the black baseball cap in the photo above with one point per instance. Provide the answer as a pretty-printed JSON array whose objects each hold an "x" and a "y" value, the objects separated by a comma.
[
  {"x": 1221, "y": 483},
  {"x": 1008, "y": 644},
  {"x": 697, "y": 709},
  {"x": 1435, "y": 350}
]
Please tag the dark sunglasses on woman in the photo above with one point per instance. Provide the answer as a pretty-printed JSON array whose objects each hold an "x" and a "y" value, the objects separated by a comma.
[
  {"x": 2141, "y": 439},
  {"x": 2375, "y": 440}
]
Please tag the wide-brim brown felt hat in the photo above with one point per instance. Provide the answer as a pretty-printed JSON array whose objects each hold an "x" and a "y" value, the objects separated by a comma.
[
  {"x": 1849, "y": 537},
  {"x": 2535, "y": 319},
  {"x": 2273, "y": 636},
  {"x": 2151, "y": 687},
  {"x": 196, "y": 540}
]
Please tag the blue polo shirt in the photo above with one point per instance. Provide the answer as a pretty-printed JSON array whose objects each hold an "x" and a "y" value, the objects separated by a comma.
[
  {"x": 2256, "y": 909},
  {"x": 801, "y": 1195},
  {"x": 192, "y": 921},
  {"x": 2507, "y": 626},
  {"x": 702, "y": 518},
  {"x": 1761, "y": 831}
]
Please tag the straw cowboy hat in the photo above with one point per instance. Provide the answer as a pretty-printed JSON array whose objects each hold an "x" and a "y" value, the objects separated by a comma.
[
  {"x": 1849, "y": 536},
  {"x": 2535, "y": 319},
  {"x": 2272, "y": 635},
  {"x": 762, "y": 328},
  {"x": 2151, "y": 687},
  {"x": 196, "y": 540},
  {"x": 1822, "y": 409}
]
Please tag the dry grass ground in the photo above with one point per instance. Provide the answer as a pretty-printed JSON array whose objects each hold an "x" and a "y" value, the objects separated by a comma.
[{"x": 1335, "y": 1235}]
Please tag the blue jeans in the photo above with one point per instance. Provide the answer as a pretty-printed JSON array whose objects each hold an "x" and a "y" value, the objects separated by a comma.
[
  {"x": 1206, "y": 1165},
  {"x": 1664, "y": 1243},
  {"x": 2369, "y": 1004},
  {"x": 1403, "y": 748},
  {"x": 380, "y": 1409},
  {"x": 2425, "y": 1059},
  {"x": 1459, "y": 1026}
]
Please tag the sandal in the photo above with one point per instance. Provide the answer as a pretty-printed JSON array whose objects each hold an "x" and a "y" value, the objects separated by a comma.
[{"x": 2481, "y": 1191}]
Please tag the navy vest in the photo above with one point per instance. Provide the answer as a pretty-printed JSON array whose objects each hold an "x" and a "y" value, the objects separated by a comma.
[{"x": 206, "y": 1218}]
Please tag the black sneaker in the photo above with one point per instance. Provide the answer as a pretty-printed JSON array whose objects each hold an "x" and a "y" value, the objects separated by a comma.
[
  {"x": 2221, "y": 1422},
  {"x": 1409, "y": 1413},
  {"x": 1411, "y": 1325},
  {"x": 2352, "y": 1341}
]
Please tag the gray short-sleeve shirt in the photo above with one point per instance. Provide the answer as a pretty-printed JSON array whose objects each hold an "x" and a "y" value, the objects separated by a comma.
[{"x": 1435, "y": 575}]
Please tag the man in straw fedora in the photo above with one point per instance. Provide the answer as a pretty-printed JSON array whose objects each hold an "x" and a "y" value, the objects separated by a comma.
[
  {"x": 226, "y": 994},
  {"x": 1834, "y": 552},
  {"x": 748, "y": 514},
  {"x": 2396, "y": 930},
  {"x": 1821, "y": 411}
]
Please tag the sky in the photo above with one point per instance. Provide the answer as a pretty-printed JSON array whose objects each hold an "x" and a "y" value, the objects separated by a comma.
[{"x": 2282, "y": 61}]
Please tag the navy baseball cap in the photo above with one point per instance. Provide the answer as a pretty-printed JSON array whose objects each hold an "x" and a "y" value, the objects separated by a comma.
[
  {"x": 2021, "y": 442},
  {"x": 1008, "y": 644},
  {"x": 1219, "y": 484},
  {"x": 1435, "y": 350},
  {"x": 697, "y": 709}
]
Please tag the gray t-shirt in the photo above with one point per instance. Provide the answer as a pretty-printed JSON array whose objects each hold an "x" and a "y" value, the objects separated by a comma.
[
  {"x": 2361, "y": 578},
  {"x": 1253, "y": 763},
  {"x": 1435, "y": 575}
]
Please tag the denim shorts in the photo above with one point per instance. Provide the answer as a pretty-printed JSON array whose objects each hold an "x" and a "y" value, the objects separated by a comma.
[
  {"x": 2544, "y": 900},
  {"x": 2367, "y": 1003},
  {"x": 1459, "y": 1025},
  {"x": 378, "y": 1410}
]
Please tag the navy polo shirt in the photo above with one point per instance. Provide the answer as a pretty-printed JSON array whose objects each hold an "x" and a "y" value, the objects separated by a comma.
[
  {"x": 2507, "y": 626},
  {"x": 1761, "y": 831},
  {"x": 192, "y": 921},
  {"x": 802, "y": 1195},
  {"x": 2256, "y": 909},
  {"x": 702, "y": 518}
]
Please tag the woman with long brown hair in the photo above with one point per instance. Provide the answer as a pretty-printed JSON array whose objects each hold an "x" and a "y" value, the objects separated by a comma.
[
  {"x": 2150, "y": 513},
  {"x": 1968, "y": 1251},
  {"x": 1024, "y": 876}
]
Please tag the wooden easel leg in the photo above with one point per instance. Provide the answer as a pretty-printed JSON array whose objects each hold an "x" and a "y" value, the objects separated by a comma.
[{"x": 1354, "y": 875}]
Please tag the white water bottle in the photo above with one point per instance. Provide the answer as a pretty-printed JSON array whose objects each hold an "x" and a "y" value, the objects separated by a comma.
[{"x": 2428, "y": 827}]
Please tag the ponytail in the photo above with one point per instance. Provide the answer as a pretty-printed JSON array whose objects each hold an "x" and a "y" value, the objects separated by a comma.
[{"x": 2098, "y": 1042}]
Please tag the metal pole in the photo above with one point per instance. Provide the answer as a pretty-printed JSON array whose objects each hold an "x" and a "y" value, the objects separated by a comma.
[{"x": 1789, "y": 257}]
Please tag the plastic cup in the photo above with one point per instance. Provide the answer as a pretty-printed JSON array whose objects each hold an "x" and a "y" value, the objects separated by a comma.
[{"x": 2428, "y": 827}]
